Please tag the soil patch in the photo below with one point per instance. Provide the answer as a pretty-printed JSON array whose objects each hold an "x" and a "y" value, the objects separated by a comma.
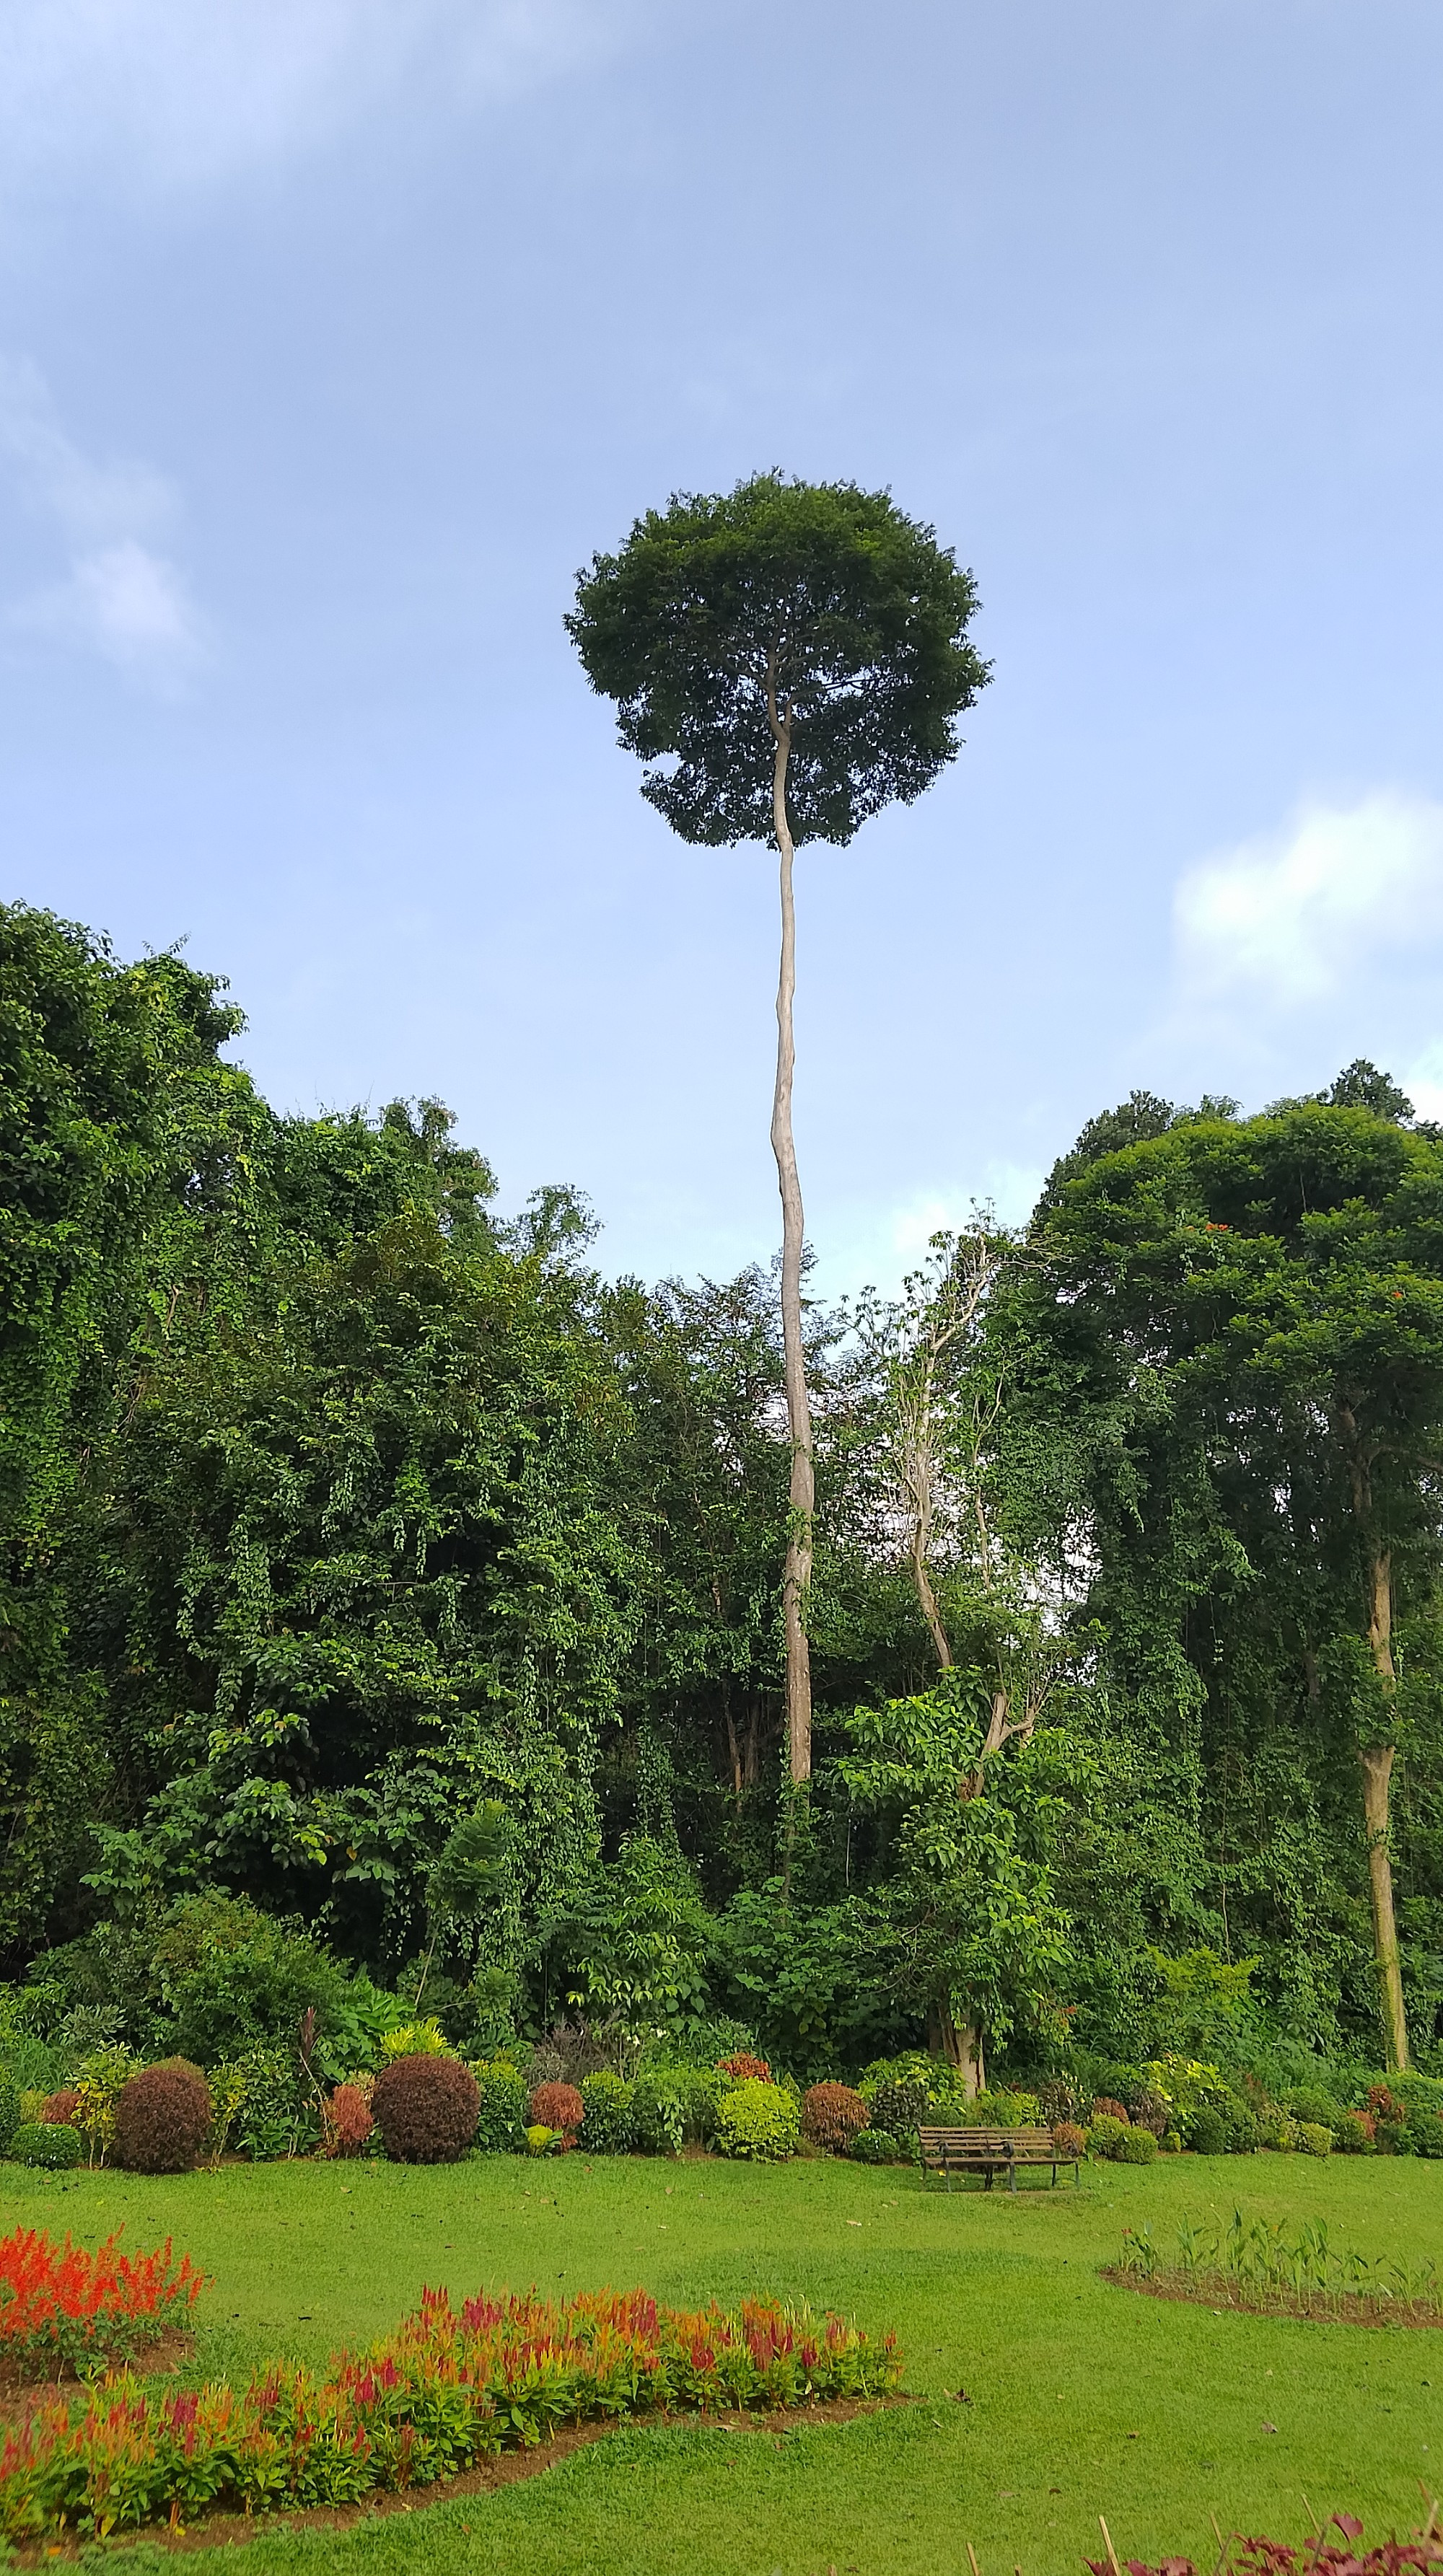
[
  {"x": 231, "y": 2530},
  {"x": 1347, "y": 2309}
]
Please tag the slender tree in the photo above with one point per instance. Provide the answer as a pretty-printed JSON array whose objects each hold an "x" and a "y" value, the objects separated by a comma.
[{"x": 789, "y": 657}]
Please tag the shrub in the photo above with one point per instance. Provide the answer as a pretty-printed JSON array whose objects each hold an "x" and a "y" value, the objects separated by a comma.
[
  {"x": 350, "y": 2124},
  {"x": 1068, "y": 2138},
  {"x": 1206, "y": 2131},
  {"x": 501, "y": 2107},
  {"x": 1171, "y": 2142},
  {"x": 236, "y": 1979},
  {"x": 277, "y": 2114},
  {"x": 426, "y": 2109},
  {"x": 1136, "y": 2146},
  {"x": 1310, "y": 2102},
  {"x": 759, "y": 2121},
  {"x": 441, "y": 2394},
  {"x": 671, "y": 2104},
  {"x": 9, "y": 2109},
  {"x": 416, "y": 2039},
  {"x": 559, "y": 2107},
  {"x": 100, "y": 2078},
  {"x": 60, "y": 2109},
  {"x": 1278, "y": 2131},
  {"x": 742, "y": 2068},
  {"x": 1152, "y": 2111},
  {"x": 898, "y": 2104},
  {"x": 1314, "y": 2139},
  {"x": 832, "y": 2116},
  {"x": 51, "y": 2144},
  {"x": 540, "y": 2140},
  {"x": 1424, "y": 2132},
  {"x": 877, "y": 2147},
  {"x": 63, "y": 2304},
  {"x": 606, "y": 2113},
  {"x": 1106, "y": 2107},
  {"x": 1356, "y": 2134},
  {"x": 161, "y": 2117},
  {"x": 1106, "y": 2134}
]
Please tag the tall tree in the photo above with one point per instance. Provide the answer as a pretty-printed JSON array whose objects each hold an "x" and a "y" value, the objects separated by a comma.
[{"x": 790, "y": 657}]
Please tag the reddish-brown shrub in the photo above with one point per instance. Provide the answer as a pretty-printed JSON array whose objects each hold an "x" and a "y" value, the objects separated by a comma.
[
  {"x": 161, "y": 2117},
  {"x": 349, "y": 2122},
  {"x": 60, "y": 2109},
  {"x": 426, "y": 2109},
  {"x": 558, "y": 2106},
  {"x": 1104, "y": 2108},
  {"x": 744, "y": 2069},
  {"x": 832, "y": 2116},
  {"x": 1068, "y": 2139}
]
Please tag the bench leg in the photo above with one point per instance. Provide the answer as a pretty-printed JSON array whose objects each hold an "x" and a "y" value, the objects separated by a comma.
[{"x": 1011, "y": 2175}]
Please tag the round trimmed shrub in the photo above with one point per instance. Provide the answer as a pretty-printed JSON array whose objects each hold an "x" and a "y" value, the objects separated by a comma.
[
  {"x": 501, "y": 2116},
  {"x": 898, "y": 2106},
  {"x": 606, "y": 2113},
  {"x": 1105, "y": 2136},
  {"x": 60, "y": 2109},
  {"x": 1107, "y": 2108},
  {"x": 426, "y": 2109},
  {"x": 1207, "y": 2131},
  {"x": 559, "y": 2107},
  {"x": 161, "y": 2117},
  {"x": 1356, "y": 2134},
  {"x": 540, "y": 2140},
  {"x": 1136, "y": 2146},
  {"x": 832, "y": 2116},
  {"x": 51, "y": 2144},
  {"x": 1068, "y": 2138},
  {"x": 876, "y": 2147},
  {"x": 1314, "y": 2139},
  {"x": 758, "y": 2121}
]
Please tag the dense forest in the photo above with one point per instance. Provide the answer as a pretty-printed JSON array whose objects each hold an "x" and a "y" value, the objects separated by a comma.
[{"x": 384, "y": 1578}]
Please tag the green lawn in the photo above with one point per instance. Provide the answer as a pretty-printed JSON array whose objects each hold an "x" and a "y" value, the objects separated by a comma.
[{"x": 1083, "y": 2398}]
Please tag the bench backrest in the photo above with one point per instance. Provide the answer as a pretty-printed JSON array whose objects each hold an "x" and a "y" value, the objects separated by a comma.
[{"x": 986, "y": 2141}]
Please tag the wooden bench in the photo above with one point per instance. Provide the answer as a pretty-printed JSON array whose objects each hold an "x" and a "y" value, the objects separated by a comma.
[{"x": 988, "y": 2152}]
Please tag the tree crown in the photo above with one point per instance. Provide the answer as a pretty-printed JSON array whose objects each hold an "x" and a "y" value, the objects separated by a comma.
[{"x": 819, "y": 600}]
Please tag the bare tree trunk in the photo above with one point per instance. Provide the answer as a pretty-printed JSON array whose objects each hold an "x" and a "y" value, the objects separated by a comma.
[
  {"x": 798, "y": 1575},
  {"x": 962, "y": 2049},
  {"x": 1376, "y": 1761},
  {"x": 928, "y": 1597}
]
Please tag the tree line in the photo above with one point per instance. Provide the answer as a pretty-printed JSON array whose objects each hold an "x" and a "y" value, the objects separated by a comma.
[{"x": 389, "y": 1568}]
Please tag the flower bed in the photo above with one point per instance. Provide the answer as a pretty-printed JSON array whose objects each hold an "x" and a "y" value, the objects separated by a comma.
[
  {"x": 62, "y": 2307},
  {"x": 425, "y": 2403},
  {"x": 1316, "y": 2556}
]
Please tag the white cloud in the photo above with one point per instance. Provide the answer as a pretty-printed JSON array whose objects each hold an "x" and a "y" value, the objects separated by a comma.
[
  {"x": 120, "y": 598},
  {"x": 1292, "y": 917},
  {"x": 183, "y": 91}
]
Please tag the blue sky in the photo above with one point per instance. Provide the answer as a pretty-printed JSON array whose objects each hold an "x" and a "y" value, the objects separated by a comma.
[{"x": 335, "y": 334}]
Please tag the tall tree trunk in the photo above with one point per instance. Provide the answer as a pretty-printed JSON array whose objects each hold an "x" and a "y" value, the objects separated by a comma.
[
  {"x": 928, "y": 1598},
  {"x": 1376, "y": 1761},
  {"x": 961, "y": 2045},
  {"x": 798, "y": 1575}
]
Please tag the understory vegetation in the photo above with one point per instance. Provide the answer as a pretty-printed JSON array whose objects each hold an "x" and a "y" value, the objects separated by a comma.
[{"x": 392, "y": 1634}]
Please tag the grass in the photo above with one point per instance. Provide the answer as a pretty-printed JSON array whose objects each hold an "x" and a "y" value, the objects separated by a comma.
[{"x": 1083, "y": 2399}]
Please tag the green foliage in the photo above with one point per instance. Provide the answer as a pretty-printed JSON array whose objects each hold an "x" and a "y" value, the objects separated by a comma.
[
  {"x": 1314, "y": 2139},
  {"x": 607, "y": 2127},
  {"x": 848, "y": 614},
  {"x": 877, "y": 2147},
  {"x": 1135, "y": 2147},
  {"x": 9, "y": 2109},
  {"x": 54, "y": 2146},
  {"x": 632, "y": 1947},
  {"x": 234, "y": 1978},
  {"x": 1107, "y": 2135},
  {"x": 674, "y": 2105},
  {"x": 759, "y": 2122},
  {"x": 501, "y": 2109}
]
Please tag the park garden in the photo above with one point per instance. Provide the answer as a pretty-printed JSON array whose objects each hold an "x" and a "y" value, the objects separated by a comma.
[{"x": 528, "y": 1795}]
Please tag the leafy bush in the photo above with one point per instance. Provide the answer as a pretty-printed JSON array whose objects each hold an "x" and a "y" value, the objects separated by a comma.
[
  {"x": 426, "y": 2109},
  {"x": 1107, "y": 2107},
  {"x": 559, "y": 2107},
  {"x": 540, "y": 2140},
  {"x": 1136, "y": 2146},
  {"x": 51, "y": 2144},
  {"x": 1152, "y": 2110},
  {"x": 350, "y": 2123},
  {"x": 899, "y": 2104},
  {"x": 60, "y": 2109},
  {"x": 161, "y": 2117},
  {"x": 1106, "y": 2134},
  {"x": 1314, "y": 2139},
  {"x": 1309, "y": 2102},
  {"x": 277, "y": 2114},
  {"x": 234, "y": 1979},
  {"x": 416, "y": 2039},
  {"x": 101, "y": 2077},
  {"x": 606, "y": 2127},
  {"x": 671, "y": 2105},
  {"x": 832, "y": 2116},
  {"x": 1206, "y": 2131},
  {"x": 742, "y": 2068},
  {"x": 9, "y": 2109},
  {"x": 1068, "y": 2138},
  {"x": 759, "y": 2121},
  {"x": 442, "y": 2393},
  {"x": 500, "y": 2107},
  {"x": 63, "y": 2304},
  {"x": 877, "y": 2147},
  {"x": 1278, "y": 2130},
  {"x": 1356, "y": 2134}
]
